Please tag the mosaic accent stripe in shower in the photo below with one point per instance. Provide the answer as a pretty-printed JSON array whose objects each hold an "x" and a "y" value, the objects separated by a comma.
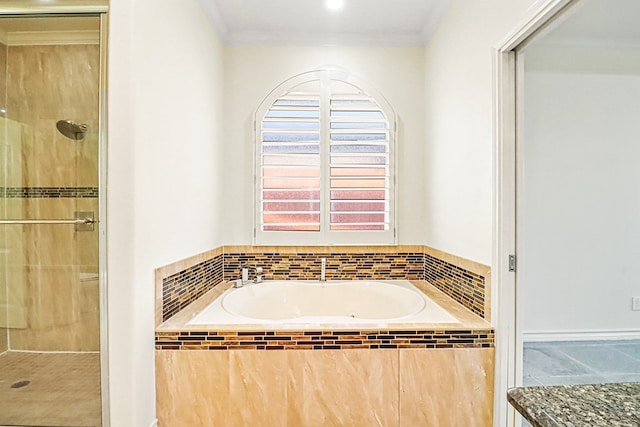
[
  {"x": 462, "y": 285},
  {"x": 48, "y": 192},
  {"x": 186, "y": 286},
  {"x": 324, "y": 340},
  {"x": 340, "y": 266}
]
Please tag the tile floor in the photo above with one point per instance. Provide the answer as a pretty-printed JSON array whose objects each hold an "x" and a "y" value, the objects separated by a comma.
[
  {"x": 580, "y": 362},
  {"x": 63, "y": 389}
]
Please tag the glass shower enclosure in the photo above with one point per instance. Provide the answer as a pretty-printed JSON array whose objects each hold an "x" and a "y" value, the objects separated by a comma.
[{"x": 50, "y": 244}]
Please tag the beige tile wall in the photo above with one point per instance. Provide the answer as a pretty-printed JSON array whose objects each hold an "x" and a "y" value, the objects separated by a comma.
[
  {"x": 451, "y": 387},
  {"x": 462, "y": 380},
  {"x": 46, "y": 84},
  {"x": 53, "y": 287},
  {"x": 3, "y": 131}
]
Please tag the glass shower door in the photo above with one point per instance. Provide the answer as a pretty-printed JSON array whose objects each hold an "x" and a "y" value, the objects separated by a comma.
[{"x": 49, "y": 240}]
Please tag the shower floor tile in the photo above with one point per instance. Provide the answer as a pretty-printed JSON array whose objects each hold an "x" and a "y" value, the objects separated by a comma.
[{"x": 63, "y": 389}]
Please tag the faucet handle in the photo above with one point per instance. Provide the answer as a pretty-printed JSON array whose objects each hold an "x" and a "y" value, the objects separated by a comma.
[{"x": 258, "y": 277}]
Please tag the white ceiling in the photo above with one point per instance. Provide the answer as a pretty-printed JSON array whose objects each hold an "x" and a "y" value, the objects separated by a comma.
[{"x": 309, "y": 22}]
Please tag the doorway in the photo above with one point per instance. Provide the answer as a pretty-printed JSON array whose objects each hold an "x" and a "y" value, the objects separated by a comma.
[
  {"x": 567, "y": 151},
  {"x": 577, "y": 204},
  {"x": 51, "y": 229}
]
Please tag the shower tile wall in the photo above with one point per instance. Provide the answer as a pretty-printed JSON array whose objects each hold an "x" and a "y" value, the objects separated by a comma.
[
  {"x": 52, "y": 296},
  {"x": 4, "y": 343}
]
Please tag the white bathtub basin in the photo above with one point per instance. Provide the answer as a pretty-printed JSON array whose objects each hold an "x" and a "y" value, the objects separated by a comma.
[{"x": 367, "y": 302}]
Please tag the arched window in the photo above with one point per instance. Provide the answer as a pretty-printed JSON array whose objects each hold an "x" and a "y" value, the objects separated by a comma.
[{"x": 324, "y": 163}]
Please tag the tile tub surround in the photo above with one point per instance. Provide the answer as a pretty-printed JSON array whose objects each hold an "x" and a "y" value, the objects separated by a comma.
[
  {"x": 416, "y": 374},
  {"x": 183, "y": 282},
  {"x": 471, "y": 331},
  {"x": 461, "y": 284},
  {"x": 306, "y": 388},
  {"x": 594, "y": 405},
  {"x": 180, "y": 283}
]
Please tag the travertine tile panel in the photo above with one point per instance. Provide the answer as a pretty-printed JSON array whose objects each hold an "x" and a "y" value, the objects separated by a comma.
[
  {"x": 343, "y": 388},
  {"x": 192, "y": 389},
  {"x": 446, "y": 387},
  {"x": 3, "y": 74},
  {"x": 53, "y": 290},
  {"x": 49, "y": 158},
  {"x": 257, "y": 388},
  {"x": 3, "y": 336},
  {"x": 54, "y": 281}
]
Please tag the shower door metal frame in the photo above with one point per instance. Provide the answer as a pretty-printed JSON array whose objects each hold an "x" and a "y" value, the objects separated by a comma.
[{"x": 100, "y": 8}]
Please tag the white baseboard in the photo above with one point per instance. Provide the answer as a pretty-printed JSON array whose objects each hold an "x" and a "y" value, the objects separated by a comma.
[
  {"x": 154, "y": 423},
  {"x": 601, "y": 335}
]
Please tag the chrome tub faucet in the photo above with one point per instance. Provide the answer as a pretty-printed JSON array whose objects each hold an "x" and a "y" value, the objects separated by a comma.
[
  {"x": 323, "y": 269},
  {"x": 245, "y": 277}
]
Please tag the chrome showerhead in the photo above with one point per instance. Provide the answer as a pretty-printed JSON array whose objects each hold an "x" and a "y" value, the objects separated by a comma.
[{"x": 71, "y": 129}]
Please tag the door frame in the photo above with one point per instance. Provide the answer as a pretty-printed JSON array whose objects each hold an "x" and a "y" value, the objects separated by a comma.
[
  {"x": 100, "y": 8},
  {"x": 505, "y": 129}
]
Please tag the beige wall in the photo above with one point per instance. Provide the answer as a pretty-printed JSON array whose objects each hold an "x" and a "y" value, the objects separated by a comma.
[
  {"x": 251, "y": 73},
  {"x": 458, "y": 80},
  {"x": 167, "y": 198},
  {"x": 165, "y": 175}
]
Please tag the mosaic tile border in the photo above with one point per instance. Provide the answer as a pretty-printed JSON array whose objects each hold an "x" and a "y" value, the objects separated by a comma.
[
  {"x": 324, "y": 340},
  {"x": 48, "y": 192},
  {"x": 340, "y": 265},
  {"x": 182, "y": 288},
  {"x": 462, "y": 285}
]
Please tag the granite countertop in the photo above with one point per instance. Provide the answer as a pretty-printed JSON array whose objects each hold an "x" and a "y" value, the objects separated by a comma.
[{"x": 589, "y": 405}]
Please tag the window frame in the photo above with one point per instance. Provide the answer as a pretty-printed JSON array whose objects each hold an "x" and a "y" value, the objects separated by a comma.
[{"x": 325, "y": 236}]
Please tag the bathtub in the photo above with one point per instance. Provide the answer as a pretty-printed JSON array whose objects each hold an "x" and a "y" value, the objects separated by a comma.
[{"x": 366, "y": 303}]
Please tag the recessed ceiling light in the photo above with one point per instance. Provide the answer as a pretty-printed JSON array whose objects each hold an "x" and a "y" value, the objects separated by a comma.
[{"x": 335, "y": 4}]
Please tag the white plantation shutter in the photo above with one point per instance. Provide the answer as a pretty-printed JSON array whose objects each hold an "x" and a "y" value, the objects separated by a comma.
[
  {"x": 324, "y": 166},
  {"x": 290, "y": 173},
  {"x": 360, "y": 173}
]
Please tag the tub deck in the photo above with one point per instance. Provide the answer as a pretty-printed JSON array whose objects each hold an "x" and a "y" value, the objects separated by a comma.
[{"x": 470, "y": 332}]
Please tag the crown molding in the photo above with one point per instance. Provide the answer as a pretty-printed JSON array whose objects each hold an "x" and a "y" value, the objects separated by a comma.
[
  {"x": 213, "y": 15},
  {"x": 434, "y": 18},
  {"x": 289, "y": 38}
]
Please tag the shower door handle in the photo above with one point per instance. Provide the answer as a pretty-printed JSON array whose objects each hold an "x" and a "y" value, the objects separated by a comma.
[
  {"x": 84, "y": 221},
  {"x": 77, "y": 221}
]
